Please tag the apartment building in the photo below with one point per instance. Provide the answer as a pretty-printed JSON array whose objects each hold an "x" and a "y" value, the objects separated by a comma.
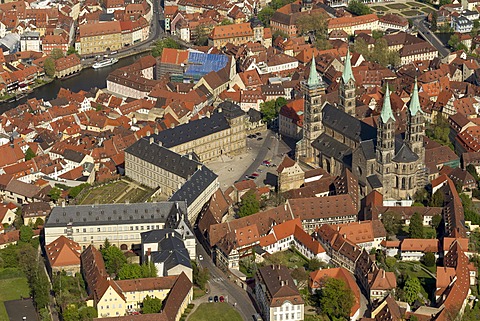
[
  {"x": 121, "y": 224},
  {"x": 235, "y": 34},
  {"x": 99, "y": 37}
]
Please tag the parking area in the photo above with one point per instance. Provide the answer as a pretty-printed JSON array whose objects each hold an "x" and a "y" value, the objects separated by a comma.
[{"x": 267, "y": 146}]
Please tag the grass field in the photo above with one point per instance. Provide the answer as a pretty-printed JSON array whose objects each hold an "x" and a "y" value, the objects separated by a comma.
[
  {"x": 379, "y": 8},
  {"x": 288, "y": 258},
  {"x": 215, "y": 311},
  {"x": 114, "y": 193},
  {"x": 411, "y": 13},
  {"x": 397, "y": 6},
  {"x": 12, "y": 289}
]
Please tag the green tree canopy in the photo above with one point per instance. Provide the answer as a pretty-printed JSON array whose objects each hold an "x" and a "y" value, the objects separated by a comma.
[
  {"x": 135, "y": 271},
  {"x": 114, "y": 259},
  {"x": 265, "y": 15},
  {"x": 437, "y": 199},
  {"x": 455, "y": 43},
  {"x": 226, "y": 22},
  {"x": 271, "y": 108},
  {"x": 164, "y": 43},
  {"x": 471, "y": 212},
  {"x": 436, "y": 220},
  {"x": 200, "y": 275},
  {"x": 429, "y": 259},
  {"x": 415, "y": 229},
  {"x": 392, "y": 222},
  {"x": 49, "y": 67},
  {"x": 151, "y": 305},
  {"x": 249, "y": 204},
  {"x": 74, "y": 191},
  {"x": 473, "y": 171},
  {"x": 55, "y": 193},
  {"x": 29, "y": 154},
  {"x": 56, "y": 54},
  {"x": 26, "y": 234},
  {"x": 358, "y": 8},
  {"x": 72, "y": 50},
  {"x": 411, "y": 289},
  {"x": 336, "y": 299}
]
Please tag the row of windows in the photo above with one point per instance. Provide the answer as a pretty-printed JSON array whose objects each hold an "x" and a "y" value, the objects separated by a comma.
[{"x": 115, "y": 229}]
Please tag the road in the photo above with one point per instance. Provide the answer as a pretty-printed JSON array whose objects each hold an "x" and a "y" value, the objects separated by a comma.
[
  {"x": 219, "y": 285},
  {"x": 430, "y": 36}
]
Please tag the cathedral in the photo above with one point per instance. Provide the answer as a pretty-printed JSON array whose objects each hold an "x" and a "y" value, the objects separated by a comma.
[{"x": 393, "y": 164}]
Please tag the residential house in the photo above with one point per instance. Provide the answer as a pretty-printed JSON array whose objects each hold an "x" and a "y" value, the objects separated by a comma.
[{"x": 63, "y": 255}]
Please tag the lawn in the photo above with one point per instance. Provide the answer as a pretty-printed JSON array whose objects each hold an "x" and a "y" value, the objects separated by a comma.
[
  {"x": 411, "y": 13},
  {"x": 427, "y": 10},
  {"x": 427, "y": 281},
  {"x": 215, "y": 311},
  {"x": 12, "y": 289},
  {"x": 397, "y": 6},
  {"x": 288, "y": 258},
  {"x": 112, "y": 193},
  {"x": 379, "y": 8}
]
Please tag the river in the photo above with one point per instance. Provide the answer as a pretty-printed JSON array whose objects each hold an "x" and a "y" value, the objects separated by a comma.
[{"x": 87, "y": 79}]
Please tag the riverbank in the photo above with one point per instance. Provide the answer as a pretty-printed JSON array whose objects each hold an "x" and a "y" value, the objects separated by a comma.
[
  {"x": 14, "y": 97},
  {"x": 86, "y": 80}
]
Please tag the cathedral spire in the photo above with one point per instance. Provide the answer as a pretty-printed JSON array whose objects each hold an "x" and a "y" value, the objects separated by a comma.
[
  {"x": 387, "y": 113},
  {"x": 313, "y": 79},
  {"x": 414, "y": 104},
  {"x": 347, "y": 69}
]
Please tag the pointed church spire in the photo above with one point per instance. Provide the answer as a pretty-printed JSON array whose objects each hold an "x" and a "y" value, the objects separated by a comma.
[
  {"x": 414, "y": 104},
  {"x": 313, "y": 79},
  {"x": 347, "y": 69},
  {"x": 387, "y": 113}
]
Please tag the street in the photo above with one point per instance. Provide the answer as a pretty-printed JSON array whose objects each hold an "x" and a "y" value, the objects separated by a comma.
[
  {"x": 219, "y": 285},
  {"x": 430, "y": 36}
]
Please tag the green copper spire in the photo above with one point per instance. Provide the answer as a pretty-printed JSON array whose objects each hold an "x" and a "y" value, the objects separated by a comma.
[
  {"x": 414, "y": 105},
  {"x": 347, "y": 70},
  {"x": 313, "y": 79},
  {"x": 387, "y": 113}
]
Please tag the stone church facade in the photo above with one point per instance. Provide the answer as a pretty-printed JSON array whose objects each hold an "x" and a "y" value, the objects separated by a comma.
[{"x": 334, "y": 139}]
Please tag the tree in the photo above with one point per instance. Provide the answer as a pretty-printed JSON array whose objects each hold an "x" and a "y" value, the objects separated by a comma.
[
  {"x": 56, "y": 54},
  {"x": 72, "y": 50},
  {"x": 151, "y": 305},
  {"x": 437, "y": 199},
  {"x": 49, "y": 67},
  {"x": 313, "y": 265},
  {"x": 429, "y": 259},
  {"x": 415, "y": 229},
  {"x": 392, "y": 222},
  {"x": 164, "y": 43},
  {"x": 434, "y": 21},
  {"x": 55, "y": 193},
  {"x": 87, "y": 313},
  {"x": 436, "y": 220},
  {"x": 336, "y": 299},
  {"x": 200, "y": 275},
  {"x": 377, "y": 34},
  {"x": 114, "y": 259},
  {"x": 74, "y": 191},
  {"x": 315, "y": 24},
  {"x": 271, "y": 108},
  {"x": 440, "y": 132},
  {"x": 471, "y": 213},
  {"x": 29, "y": 154},
  {"x": 265, "y": 15},
  {"x": 26, "y": 234},
  {"x": 226, "y": 22},
  {"x": 135, "y": 271},
  {"x": 473, "y": 171},
  {"x": 444, "y": 2},
  {"x": 249, "y": 205},
  {"x": 38, "y": 222},
  {"x": 455, "y": 43},
  {"x": 358, "y": 8},
  {"x": 411, "y": 289}
]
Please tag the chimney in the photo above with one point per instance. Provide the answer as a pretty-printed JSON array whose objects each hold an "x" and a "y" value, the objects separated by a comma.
[
  {"x": 156, "y": 131},
  {"x": 208, "y": 114},
  {"x": 219, "y": 109},
  {"x": 282, "y": 283},
  {"x": 151, "y": 140},
  {"x": 383, "y": 273},
  {"x": 172, "y": 125}
]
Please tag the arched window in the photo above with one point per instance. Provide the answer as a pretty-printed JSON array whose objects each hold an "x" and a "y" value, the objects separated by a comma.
[{"x": 403, "y": 183}]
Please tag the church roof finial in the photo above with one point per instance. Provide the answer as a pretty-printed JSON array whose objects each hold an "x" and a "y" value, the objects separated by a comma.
[
  {"x": 387, "y": 113},
  {"x": 347, "y": 69},
  {"x": 313, "y": 79},
  {"x": 414, "y": 105}
]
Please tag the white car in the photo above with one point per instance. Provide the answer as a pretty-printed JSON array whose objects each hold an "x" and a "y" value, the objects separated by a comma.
[{"x": 200, "y": 257}]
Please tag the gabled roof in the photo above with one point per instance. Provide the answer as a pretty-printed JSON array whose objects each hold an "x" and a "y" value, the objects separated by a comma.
[{"x": 63, "y": 252}]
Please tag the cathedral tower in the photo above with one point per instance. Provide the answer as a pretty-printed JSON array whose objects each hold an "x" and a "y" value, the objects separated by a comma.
[
  {"x": 415, "y": 125},
  {"x": 314, "y": 88},
  {"x": 347, "y": 88},
  {"x": 386, "y": 144}
]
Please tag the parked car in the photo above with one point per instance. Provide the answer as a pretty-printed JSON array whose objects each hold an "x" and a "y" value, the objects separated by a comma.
[
  {"x": 257, "y": 317},
  {"x": 222, "y": 299},
  {"x": 258, "y": 134},
  {"x": 210, "y": 299},
  {"x": 259, "y": 138},
  {"x": 200, "y": 257},
  {"x": 255, "y": 174},
  {"x": 215, "y": 298}
]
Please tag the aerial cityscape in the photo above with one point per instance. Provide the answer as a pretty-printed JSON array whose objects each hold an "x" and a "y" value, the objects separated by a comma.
[{"x": 257, "y": 160}]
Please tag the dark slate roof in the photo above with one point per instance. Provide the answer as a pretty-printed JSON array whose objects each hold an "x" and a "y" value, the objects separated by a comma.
[
  {"x": 73, "y": 155},
  {"x": 192, "y": 188},
  {"x": 231, "y": 110},
  {"x": 331, "y": 147},
  {"x": 254, "y": 115},
  {"x": 368, "y": 149},
  {"x": 193, "y": 130},
  {"x": 107, "y": 214},
  {"x": 347, "y": 125},
  {"x": 172, "y": 252},
  {"x": 374, "y": 181},
  {"x": 106, "y": 17},
  {"x": 150, "y": 151},
  {"x": 155, "y": 236},
  {"x": 404, "y": 154}
]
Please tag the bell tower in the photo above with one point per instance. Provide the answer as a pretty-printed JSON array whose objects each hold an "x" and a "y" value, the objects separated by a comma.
[{"x": 347, "y": 88}]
